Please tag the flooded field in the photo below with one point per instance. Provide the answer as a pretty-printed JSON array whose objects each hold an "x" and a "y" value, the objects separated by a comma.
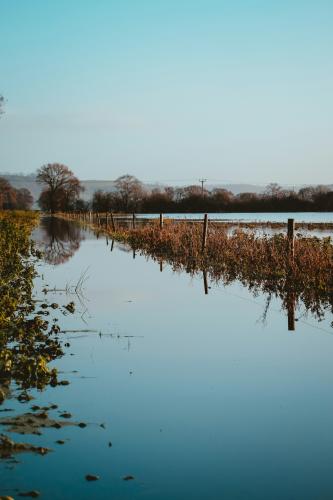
[
  {"x": 188, "y": 389},
  {"x": 253, "y": 216}
]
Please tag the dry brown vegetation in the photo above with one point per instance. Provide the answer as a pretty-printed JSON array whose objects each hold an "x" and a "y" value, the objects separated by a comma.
[{"x": 261, "y": 262}]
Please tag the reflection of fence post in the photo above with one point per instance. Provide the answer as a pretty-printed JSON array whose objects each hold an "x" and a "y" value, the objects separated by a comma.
[
  {"x": 204, "y": 234},
  {"x": 291, "y": 310},
  {"x": 205, "y": 282},
  {"x": 161, "y": 265},
  {"x": 291, "y": 239},
  {"x": 161, "y": 221},
  {"x": 133, "y": 221},
  {"x": 112, "y": 223}
]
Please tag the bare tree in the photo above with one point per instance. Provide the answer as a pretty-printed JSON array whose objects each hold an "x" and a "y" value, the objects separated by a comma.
[
  {"x": 7, "y": 195},
  {"x": 61, "y": 187},
  {"x": 310, "y": 193},
  {"x": 130, "y": 191},
  {"x": 273, "y": 190},
  {"x": 12, "y": 199},
  {"x": 24, "y": 199}
]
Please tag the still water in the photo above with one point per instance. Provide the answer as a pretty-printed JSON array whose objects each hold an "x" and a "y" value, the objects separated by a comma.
[
  {"x": 253, "y": 217},
  {"x": 202, "y": 396}
]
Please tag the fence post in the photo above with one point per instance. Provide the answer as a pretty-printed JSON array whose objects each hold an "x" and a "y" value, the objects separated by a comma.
[
  {"x": 291, "y": 238},
  {"x": 161, "y": 221},
  {"x": 205, "y": 282},
  {"x": 133, "y": 221},
  {"x": 204, "y": 234},
  {"x": 112, "y": 223}
]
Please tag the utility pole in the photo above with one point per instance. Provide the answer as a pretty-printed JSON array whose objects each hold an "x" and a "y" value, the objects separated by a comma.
[{"x": 202, "y": 181}]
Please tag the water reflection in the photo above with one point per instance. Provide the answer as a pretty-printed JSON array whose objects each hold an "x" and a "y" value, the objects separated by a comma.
[
  {"x": 296, "y": 301},
  {"x": 58, "y": 239},
  {"x": 205, "y": 392}
]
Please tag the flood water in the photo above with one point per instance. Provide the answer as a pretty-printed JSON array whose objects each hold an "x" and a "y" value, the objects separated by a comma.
[
  {"x": 202, "y": 396},
  {"x": 253, "y": 217}
]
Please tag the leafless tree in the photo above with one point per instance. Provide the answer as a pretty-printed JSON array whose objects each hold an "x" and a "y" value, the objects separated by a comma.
[
  {"x": 13, "y": 199},
  {"x": 61, "y": 187},
  {"x": 273, "y": 190},
  {"x": 130, "y": 191}
]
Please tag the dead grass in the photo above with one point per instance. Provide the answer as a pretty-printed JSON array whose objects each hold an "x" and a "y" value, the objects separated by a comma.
[{"x": 260, "y": 262}]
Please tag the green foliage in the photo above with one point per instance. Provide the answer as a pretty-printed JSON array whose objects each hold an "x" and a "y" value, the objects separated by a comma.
[{"x": 27, "y": 341}]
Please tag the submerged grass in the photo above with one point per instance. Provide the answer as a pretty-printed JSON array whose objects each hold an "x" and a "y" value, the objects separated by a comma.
[{"x": 260, "y": 261}]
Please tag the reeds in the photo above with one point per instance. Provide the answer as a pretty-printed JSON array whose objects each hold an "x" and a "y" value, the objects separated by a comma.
[{"x": 260, "y": 261}]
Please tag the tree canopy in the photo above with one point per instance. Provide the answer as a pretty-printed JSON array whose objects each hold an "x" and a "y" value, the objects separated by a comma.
[
  {"x": 14, "y": 199},
  {"x": 61, "y": 189}
]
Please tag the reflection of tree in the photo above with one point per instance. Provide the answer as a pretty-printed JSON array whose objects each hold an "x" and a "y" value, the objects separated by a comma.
[{"x": 60, "y": 239}]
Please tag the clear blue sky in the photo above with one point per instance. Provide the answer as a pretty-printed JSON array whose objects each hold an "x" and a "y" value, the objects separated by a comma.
[{"x": 235, "y": 91}]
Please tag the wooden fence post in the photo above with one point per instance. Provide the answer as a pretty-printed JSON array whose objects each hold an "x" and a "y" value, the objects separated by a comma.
[
  {"x": 161, "y": 221},
  {"x": 205, "y": 282},
  {"x": 204, "y": 234},
  {"x": 112, "y": 223},
  {"x": 133, "y": 221},
  {"x": 291, "y": 238}
]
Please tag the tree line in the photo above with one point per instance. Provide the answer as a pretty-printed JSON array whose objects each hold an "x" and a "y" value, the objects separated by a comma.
[
  {"x": 62, "y": 191},
  {"x": 131, "y": 196}
]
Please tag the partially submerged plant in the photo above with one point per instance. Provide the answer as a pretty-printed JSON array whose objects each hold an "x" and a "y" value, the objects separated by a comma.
[
  {"x": 28, "y": 342},
  {"x": 259, "y": 261}
]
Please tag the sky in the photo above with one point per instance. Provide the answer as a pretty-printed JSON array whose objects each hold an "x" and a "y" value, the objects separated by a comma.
[{"x": 169, "y": 90}]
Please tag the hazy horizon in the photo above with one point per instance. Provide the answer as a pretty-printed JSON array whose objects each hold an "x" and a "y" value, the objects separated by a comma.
[
  {"x": 184, "y": 182},
  {"x": 235, "y": 92}
]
